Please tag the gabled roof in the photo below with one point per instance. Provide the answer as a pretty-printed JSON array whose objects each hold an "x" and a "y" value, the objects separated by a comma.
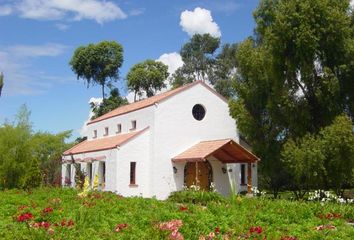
[
  {"x": 102, "y": 143},
  {"x": 226, "y": 150},
  {"x": 150, "y": 101}
]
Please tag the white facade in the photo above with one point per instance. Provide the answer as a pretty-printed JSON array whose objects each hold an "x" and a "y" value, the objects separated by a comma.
[{"x": 169, "y": 129}]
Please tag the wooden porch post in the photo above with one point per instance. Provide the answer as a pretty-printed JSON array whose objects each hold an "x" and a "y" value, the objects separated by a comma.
[
  {"x": 249, "y": 178},
  {"x": 196, "y": 174}
]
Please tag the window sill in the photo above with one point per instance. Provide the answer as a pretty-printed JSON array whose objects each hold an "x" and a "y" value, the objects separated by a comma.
[
  {"x": 132, "y": 129},
  {"x": 133, "y": 185}
]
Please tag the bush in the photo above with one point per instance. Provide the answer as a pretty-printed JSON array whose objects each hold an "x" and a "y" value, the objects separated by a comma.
[{"x": 196, "y": 197}]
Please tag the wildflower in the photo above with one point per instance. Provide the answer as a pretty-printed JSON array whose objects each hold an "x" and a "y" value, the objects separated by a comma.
[
  {"x": 24, "y": 217},
  {"x": 323, "y": 227},
  {"x": 257, "y": 229},
  {"x": 175, "y": 235},
  {"x": 288, "y": 238},
  {"x": 63, "y": 223},
  {"x": 70, "y": 223},
  {"x": 95, "y": 182},
  {"x": 217, "y": 230},
  {"x": 45, "y": 225},
  {"x": 20, "y": 208},
  {"x": 171, "y": 225},
  {"x": 50, "y": 231},
  {"x": 120, "y": 227},
  {"x": 183, "y": 208},
  {"x": 47, "y": 210}
]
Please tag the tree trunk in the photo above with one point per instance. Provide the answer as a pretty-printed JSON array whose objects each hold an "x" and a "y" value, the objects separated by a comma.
[{"x": 103, "y": 95}]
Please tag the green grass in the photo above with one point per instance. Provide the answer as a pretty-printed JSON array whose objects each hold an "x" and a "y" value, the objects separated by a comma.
[{"x": 96, "y": 216}]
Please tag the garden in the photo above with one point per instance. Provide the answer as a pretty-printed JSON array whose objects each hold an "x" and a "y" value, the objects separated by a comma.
[{"x": 64, "y": 213}]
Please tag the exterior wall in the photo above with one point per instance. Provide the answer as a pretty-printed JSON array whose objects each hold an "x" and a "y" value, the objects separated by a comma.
[
  {"x": 143, "y": 117},
  {"x": 176, "y": 130},
  {"x": 136, "y": 150}
]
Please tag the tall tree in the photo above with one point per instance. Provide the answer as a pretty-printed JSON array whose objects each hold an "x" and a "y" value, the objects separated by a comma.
[
  {"x": 98, "y": 63},
  {"x": 108, "y": 104},
  {"x": 298, "y": 75},
  {"x": 198, "y": 57},
  {"x": 225, "y": 70},
  {"x": 147, "y": 77},
  {"x": 1, "y": 82}
]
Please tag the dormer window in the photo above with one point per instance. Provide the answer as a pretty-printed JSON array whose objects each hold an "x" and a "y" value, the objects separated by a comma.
[
  {"x": 105, "y": 131},
  {"x": 119, "y": 128},
  {"x": 133, "y": 125},
  {"x": 94, "y": 134}
]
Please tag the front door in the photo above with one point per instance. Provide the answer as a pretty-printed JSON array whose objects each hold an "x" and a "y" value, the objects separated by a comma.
[{"x": 198, "y": 174}]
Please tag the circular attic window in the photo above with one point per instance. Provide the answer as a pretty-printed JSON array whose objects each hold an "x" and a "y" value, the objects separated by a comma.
[{"x": 198, "y": 112}]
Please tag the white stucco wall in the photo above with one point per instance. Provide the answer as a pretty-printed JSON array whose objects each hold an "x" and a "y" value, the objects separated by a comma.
[
  {"x": 136, "y": 150},
  {"x": 143, "y": 117},
  {"x": 176, "y": 130}
]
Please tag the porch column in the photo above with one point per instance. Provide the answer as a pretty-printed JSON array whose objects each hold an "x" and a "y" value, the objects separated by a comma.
[
  {"x": 249, "y": 178},
  {"x": 196, "y": 174}
]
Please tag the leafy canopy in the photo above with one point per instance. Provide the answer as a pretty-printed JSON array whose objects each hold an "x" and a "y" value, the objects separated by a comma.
[
  {"x": 147, "y": 77},
  {"x": 98, "y": 63}
]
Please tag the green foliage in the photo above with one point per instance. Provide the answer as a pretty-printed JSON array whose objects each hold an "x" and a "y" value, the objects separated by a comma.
[
  {"x": 98, "y": 63},
  {"x": 322, "y": 161},
  {"x": 96, "y": 216},
  {"x": 197, "y": 55},
  {"x": 28, "y": 159},
  {"x": 196, "y": 197},
  {"x": 147, "y": 77},
  {"x": 108, "y": 104},
  {"x": 294, "y": 78}
]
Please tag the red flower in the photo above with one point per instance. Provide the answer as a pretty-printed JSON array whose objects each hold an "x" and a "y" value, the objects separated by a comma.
[
  {"x": 24, "y": 217},
  {"x": 63, "y": 223},
  {"x": 257, "y": 229},
  {"x": 183, "y": 208},
  {"x": 20, "y": 208},
  {"x": 45, "y": 225},
  {"x": 120, "y": 227},
  {"x": 217, "y": 230},
  {"x": 70, "y": 223},
  {"x": 288, "y": 238},
  {"x": 47, "y": 210}
]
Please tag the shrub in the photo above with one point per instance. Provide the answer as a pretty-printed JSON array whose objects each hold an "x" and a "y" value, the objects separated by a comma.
[{"x": 196, "y": 197}]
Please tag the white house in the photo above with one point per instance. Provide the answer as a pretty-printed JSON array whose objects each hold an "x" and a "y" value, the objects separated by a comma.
[{"x": 153, "y": 147}]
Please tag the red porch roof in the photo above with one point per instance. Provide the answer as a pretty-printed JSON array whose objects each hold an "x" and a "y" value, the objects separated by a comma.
[
  {"x": 225, "y": 150},
  {"x": 102, "y": 143}
]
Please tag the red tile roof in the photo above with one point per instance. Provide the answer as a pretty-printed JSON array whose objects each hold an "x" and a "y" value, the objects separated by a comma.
[
  {"x": 102, "y": 143},
  {"x": 149, "y": 102},
  {"x": 226, "y": 150}
]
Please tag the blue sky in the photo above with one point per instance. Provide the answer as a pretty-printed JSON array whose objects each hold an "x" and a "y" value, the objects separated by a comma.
[{"x": 38, "y": 37}]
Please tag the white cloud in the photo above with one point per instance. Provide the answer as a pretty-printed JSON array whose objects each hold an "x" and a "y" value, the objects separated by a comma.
[
  {"x": 5, "y": 10},
  {"x": 62, "y": 27},
  {"x": 136, "y": 12},
  {"x": 199, "y": 21},
  {"x": 99, "y": 10},
  {"x": 172, "y": 60},
  {"x": 352, "y": 3},
  {"x": 83, "y": 131},
  {"x": 20, "y": 77}
]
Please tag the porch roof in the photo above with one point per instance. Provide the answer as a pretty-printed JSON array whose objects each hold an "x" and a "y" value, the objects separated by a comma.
[
  {"x": 225, "y": 150},
  {"x": 102, "y": 143}
]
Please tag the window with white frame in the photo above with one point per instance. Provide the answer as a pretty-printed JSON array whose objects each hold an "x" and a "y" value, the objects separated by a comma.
[{"x": 94, "y": 134}]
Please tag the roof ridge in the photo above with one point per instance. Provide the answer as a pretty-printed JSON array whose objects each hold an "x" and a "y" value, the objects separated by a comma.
[{"x": 144, "y": 102}]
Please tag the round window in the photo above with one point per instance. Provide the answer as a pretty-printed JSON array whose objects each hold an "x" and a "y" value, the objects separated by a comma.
[{"x": 198, "y": 112}]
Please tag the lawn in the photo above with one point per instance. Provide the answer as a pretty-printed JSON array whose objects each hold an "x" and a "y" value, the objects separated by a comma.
[{"x": 50, "y": 213}]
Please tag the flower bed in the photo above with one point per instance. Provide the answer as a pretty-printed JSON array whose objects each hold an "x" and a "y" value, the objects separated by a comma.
[{"x": 62, "y": 214}]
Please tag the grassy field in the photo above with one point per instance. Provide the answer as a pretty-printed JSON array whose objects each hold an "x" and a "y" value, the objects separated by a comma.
[{"x": 60, "y": 214}]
